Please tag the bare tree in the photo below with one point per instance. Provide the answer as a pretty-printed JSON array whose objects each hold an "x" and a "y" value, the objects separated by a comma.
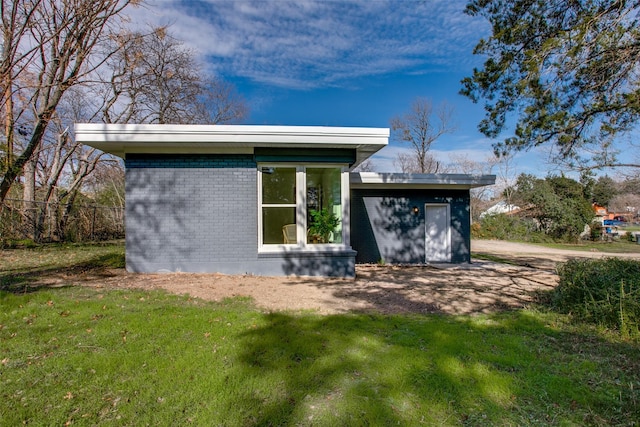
[
  {"x": 155, "y": 78},
  {"x": 366, "y": 166},
  {"x": 73, "y": 62},
  {"x": 59, "y": 50},
  {"x": 507, "y": 176},
  {"x": 106, "y": 183},
  {"x": 421, "y": 126},
  {"x": 410, "y": 163},
  {"x": 625, "y": 203},
  {"x": 219, "y": 102},
  {"x": 63, "y": 167},
  {"x": 165, "y": 78},
  {"x": 481, "y": 197},
  {"x": 17, "y": 18}
]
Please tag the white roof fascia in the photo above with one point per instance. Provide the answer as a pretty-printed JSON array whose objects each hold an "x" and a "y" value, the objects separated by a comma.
[
  {"x": 419, "y": 181},
  {"x": 119, "y": 139}
]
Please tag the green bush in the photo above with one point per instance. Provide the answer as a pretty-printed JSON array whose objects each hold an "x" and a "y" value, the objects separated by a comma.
[
  {"x": 605, "y": 292},
  {"x": 508, "y": 227},
  {"x": 596, "y": 230}
]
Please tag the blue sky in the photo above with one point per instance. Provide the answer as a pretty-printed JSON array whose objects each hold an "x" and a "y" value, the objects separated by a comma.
[{"x": 341, "y": 63}]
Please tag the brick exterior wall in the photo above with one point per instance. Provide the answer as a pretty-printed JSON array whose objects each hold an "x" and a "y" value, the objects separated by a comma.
[
  {"x": 184, "y": 213},
  {"x": 199, "y": 213}
]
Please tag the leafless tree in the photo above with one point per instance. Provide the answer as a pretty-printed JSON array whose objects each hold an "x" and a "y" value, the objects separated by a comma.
[
  {"x": 63, "y": 166},
  {"x": 155, "y": 78},
  {"x": 410, "y": 163},
  {"x": 163, "y": 76},
  {"x": 59, "y": 48},
  {"x": 506, "y": 176},
  {"x": 106, "y": 184},
  {"x": 481, "y": 197},
  {"x": 625, "y": 203},
  {"x": 219, "y": 102},
  {"x": 73, "y": 61},
  {"x": 366, "y": 166},
  {"x": 421, "y": 126}
]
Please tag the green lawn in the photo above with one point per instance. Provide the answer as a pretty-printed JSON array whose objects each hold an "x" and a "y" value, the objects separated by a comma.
[
  {"x": 51, "y": 257},
  {"x": 87, "y": 356}
]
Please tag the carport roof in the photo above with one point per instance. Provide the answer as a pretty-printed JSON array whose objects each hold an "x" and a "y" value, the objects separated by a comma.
[{"x": 419, "y": 181}]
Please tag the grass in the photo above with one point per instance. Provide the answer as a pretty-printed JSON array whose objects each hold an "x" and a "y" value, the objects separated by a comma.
[
  {"x": 86, "y": 356},
  {"x": 18, "y": 267}
]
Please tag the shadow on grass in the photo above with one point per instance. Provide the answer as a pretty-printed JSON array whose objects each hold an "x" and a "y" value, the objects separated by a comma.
[
  {"x": 378, "y": 370},
  {"x": 189, "y": 362},
  {"x": 33, "y": 279}
]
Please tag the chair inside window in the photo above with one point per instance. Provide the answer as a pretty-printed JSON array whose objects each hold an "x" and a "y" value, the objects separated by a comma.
[{"x": 289, "y": 233}]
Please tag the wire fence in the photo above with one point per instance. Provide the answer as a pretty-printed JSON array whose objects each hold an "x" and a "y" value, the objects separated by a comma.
[{"x": 59, "y": 222}]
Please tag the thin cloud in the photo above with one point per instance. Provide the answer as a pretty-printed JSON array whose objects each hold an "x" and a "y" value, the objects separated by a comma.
[{"x": 314, "y": 44}]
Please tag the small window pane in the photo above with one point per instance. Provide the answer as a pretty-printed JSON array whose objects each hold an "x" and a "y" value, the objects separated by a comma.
[
  {"x": 324, "y": 205},
  {"x": 278, "y": 185},
  {"x": 274, "y": 221}
]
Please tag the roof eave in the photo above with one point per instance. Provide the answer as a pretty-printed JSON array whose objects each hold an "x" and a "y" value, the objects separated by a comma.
[{"x": 202, "y": 139}]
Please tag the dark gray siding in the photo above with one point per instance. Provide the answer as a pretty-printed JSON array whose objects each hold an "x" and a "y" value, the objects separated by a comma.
[
  {"x": 384, "y": 227},
  {"x": 198, "y": 213}
]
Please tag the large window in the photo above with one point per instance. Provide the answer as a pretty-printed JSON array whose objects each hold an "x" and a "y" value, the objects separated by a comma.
[{"x": 303, "y": 205}]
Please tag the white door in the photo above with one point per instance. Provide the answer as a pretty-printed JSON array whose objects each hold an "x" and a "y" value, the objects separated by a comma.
[{"x": 438, "y": 233}]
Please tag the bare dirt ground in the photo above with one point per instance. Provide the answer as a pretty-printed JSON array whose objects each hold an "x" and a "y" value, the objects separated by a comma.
[{"x": 480, "y": 287}]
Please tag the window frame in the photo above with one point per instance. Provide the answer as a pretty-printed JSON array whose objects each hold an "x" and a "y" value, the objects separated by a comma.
[{"x": 301, "y": 209}]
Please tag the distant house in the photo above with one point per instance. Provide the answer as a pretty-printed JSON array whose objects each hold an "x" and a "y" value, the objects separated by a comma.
[
  {"x": 600, "y": 211},
  {"x": 278, "y": 200},
  {"x": 502, "y": 207}
]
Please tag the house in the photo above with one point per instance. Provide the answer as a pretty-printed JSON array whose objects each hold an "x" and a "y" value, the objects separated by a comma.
[
  {"x": 277, "y": 200},
  {"x": 502, "y": 207},
  {"x": 600, "y": 211}
]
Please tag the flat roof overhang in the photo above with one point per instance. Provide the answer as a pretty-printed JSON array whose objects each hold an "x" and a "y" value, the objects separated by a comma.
[
  {"x": 374, "y": 180},
  {"x": 121, "y": 139}
]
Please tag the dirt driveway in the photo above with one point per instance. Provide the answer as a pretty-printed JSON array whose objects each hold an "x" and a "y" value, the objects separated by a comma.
[
  {"x": 539, "y": 257},
  {"x": 479, "y": 287}
]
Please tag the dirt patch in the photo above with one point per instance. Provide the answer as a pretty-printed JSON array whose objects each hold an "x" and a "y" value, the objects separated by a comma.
[{"x": 479, "y": 287}]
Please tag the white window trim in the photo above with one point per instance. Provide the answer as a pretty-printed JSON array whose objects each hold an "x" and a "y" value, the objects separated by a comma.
[{"x": 301, "y": 216}]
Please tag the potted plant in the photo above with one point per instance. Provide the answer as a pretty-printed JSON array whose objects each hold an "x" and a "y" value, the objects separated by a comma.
[{"x": 323, "y": 223}]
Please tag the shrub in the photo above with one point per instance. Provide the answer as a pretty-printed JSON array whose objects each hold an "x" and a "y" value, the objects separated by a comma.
[
  {"x": 605, "y": 292},
  {"x": 596, "y": 230},
  {"x": 507, "y": 227}
]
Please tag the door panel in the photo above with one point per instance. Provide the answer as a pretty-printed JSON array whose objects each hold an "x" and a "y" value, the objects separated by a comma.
[{"x": 437, "y": 233}]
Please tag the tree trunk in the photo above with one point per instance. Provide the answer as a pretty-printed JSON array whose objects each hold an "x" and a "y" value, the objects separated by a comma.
[{"x": 29, "y": 209}]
